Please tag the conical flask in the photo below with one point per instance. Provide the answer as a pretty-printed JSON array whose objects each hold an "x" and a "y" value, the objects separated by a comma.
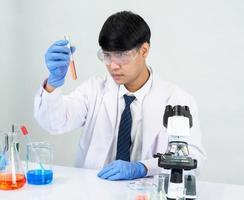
[{"x": 11, "y": 171}]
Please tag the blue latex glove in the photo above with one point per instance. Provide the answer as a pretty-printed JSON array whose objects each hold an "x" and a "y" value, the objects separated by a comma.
[
  {"x": 3, "y": 162},
  {"x": 57, "y": 59},
  {"x": 123, "y": 170}
]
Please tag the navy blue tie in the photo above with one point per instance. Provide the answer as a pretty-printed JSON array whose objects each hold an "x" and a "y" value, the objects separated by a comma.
[{"x": 124, "y": 137}]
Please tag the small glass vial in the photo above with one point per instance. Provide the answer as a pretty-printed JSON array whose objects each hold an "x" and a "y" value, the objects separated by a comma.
[{"x": 39, "y": 163}]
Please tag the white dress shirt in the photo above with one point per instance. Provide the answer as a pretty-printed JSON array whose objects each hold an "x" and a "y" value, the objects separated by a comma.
[{"x": 136, "y": 113}]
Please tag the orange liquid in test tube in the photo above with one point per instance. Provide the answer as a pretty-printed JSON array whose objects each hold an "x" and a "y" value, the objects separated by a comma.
[
  {"x": 73, "y": 70},
  {"x": 72, "y": 62}
]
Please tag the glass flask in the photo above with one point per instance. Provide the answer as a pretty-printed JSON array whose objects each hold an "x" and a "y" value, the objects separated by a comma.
[
  {"x": 11, "y": 171},
  {"x": 39, "y": 163}
]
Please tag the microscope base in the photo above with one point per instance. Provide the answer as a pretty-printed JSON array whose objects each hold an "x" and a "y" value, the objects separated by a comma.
[{"x": 190, "y": 185}]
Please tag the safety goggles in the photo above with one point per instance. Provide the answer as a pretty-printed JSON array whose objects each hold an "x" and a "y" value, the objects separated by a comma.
[{"x": 118, "y": 57}]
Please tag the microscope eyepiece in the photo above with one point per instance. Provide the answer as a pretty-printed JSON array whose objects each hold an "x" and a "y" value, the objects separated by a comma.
[{"x": 177, "y": 110}]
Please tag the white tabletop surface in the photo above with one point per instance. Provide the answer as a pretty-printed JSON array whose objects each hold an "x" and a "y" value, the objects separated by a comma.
[{"x": 75, "y": 183}]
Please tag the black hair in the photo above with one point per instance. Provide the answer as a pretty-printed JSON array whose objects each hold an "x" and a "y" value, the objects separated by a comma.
[{"x": 123, "y": 31}]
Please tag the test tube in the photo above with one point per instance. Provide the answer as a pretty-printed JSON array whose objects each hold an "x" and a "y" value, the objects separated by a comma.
[{"x": 72, "y": 62}]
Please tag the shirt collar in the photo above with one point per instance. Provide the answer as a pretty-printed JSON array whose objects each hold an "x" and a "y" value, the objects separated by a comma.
[{"x": 139, "y": 94}]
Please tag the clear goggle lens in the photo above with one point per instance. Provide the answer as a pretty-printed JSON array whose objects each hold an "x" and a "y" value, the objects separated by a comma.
[{"x": 118, "y": 57}]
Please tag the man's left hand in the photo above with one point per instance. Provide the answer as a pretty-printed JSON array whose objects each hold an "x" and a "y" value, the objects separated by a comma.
[{"x": 123, "y": 170}]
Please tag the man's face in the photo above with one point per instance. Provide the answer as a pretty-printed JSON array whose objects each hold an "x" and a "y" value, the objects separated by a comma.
[{"x": 129, "y": 69}]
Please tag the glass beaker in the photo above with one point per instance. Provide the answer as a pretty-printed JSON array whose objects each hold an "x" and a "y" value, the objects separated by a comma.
[
  {"x": 39, "y": 163},
  {"x": 142, "y": 189},
  {"x": 11, "y": 172}
]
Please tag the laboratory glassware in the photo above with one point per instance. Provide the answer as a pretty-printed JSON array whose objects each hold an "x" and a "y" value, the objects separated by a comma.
[
  {"x": 11, "y": 172},
  {"x": 39, "y": 163},
  {"x": 72, "y": 61},
  {"x": 142, "y": 189}
]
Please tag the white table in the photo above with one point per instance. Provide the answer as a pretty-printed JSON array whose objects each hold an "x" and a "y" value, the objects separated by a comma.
[{"x": 74, "y": 183}]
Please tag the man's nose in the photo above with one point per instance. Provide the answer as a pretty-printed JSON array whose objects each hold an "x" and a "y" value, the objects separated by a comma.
[{"x": 114, "y": 66}]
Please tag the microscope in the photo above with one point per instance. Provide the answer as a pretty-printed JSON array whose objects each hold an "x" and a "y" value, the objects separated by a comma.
[{"x": 178, "y": 121}]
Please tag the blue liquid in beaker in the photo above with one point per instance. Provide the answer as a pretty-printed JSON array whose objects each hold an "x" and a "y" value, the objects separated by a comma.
[{"x": 39, "y": 177}]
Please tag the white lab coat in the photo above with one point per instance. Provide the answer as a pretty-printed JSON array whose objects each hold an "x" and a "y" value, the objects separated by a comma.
[{"x": 94, "y": 106}]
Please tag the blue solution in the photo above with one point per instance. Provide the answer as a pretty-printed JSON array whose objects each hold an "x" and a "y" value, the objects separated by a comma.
[{"x": 39, "y": 177}]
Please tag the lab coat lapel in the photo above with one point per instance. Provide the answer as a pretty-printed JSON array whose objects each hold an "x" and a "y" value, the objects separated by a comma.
[
  {"x": 153, "y": 109},
  {"x": 110, "y": 99},
  {"x": 104, "y": 127}
]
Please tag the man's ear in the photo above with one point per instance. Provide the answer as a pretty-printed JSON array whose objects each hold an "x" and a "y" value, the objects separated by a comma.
[{"x": 144, "y": 50}]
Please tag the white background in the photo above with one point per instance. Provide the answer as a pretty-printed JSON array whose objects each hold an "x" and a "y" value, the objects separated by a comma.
[{"x": 198, "y": 45}]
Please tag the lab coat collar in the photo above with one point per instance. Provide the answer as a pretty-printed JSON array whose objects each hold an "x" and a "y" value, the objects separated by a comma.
[{"x": 139, "y": 94}]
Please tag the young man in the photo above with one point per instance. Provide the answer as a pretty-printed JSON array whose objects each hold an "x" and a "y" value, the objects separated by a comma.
[{"x": 121, "y": 113}]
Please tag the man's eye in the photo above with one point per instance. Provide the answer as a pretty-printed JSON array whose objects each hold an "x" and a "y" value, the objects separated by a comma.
[
  {"x": 106, "y": 55},
  {"x": 120, "y": 54}
]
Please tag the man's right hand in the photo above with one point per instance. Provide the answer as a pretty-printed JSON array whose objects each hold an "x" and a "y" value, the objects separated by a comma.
[{"x": 57, "y": 59}]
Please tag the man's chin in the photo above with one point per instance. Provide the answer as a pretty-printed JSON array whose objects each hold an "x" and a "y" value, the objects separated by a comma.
[{"x": 119, "y": 80}]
